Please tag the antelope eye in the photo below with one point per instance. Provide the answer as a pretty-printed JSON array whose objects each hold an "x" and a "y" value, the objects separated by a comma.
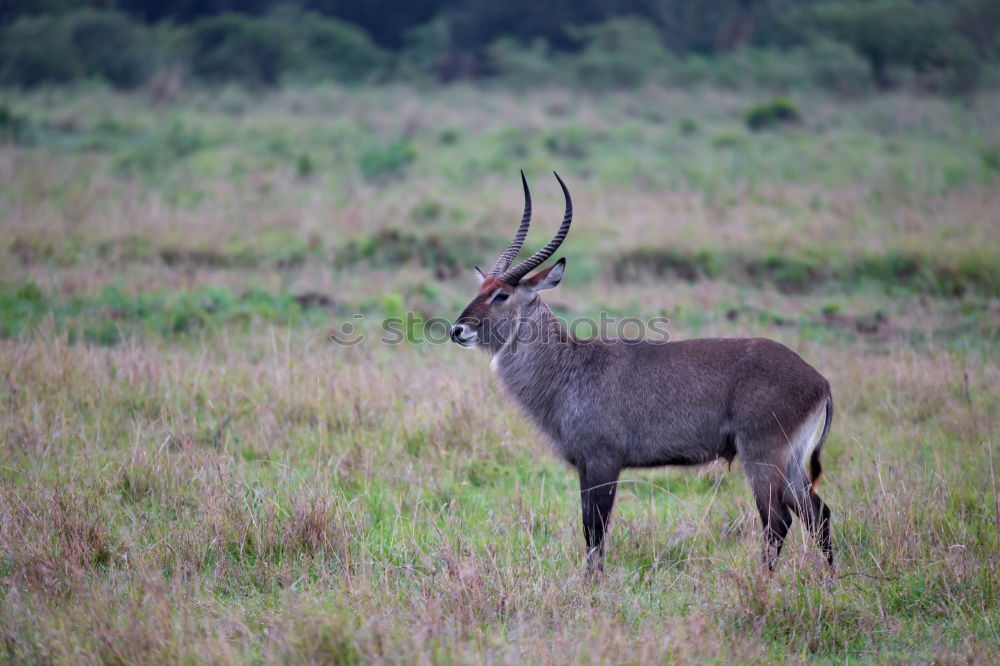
[{"x": 501, "y": 296}]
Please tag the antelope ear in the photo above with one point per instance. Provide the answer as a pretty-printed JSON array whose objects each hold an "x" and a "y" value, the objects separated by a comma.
[
  {"x": 480, "y": 275},
  {"x": 546, "y": 279}
]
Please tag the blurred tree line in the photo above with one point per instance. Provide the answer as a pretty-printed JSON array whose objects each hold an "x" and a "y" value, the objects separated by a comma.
[{"x": 849, "y": 45}]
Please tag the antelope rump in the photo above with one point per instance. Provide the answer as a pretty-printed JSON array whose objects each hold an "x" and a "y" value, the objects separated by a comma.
[{"x": 606, "y": 405}]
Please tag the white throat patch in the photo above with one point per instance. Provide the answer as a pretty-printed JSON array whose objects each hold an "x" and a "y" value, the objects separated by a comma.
[{"x": 495, "y": 361}]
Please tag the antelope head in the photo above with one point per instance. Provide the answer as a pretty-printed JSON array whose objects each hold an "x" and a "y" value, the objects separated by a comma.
[{"x": 506, "y": 296}]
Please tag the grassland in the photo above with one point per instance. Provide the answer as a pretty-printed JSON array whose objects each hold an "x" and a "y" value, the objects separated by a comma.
[{"x": 190, "y": 470}]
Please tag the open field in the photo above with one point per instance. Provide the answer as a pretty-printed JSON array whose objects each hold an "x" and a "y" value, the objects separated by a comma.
[{"x": 190, "y": 470}]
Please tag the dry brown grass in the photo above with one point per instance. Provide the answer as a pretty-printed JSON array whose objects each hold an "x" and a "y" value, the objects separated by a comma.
[{"x": 250, "y": 492}]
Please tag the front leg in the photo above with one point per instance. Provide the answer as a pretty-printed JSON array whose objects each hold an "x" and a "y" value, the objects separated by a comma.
[{"x": 598, "y": 483}]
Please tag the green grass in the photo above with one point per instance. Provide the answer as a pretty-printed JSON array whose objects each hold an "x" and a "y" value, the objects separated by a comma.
[
  {"x": 104, "y": 317},
  {"x": 191, "y": 470},
  {"x": 977, "y": 270}
]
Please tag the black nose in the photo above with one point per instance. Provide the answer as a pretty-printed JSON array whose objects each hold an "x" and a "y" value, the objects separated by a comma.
[{"x": 456, "y": 332}]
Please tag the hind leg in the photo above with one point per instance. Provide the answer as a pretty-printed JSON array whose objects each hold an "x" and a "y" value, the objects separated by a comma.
[
  {"x": 815, "y": 515},
  {"x": 768, "y": 486}
]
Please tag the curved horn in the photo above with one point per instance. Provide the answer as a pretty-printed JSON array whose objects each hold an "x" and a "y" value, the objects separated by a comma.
[
  {"x": 513, "y": 275},
  {"x": 507, "y": 256}
]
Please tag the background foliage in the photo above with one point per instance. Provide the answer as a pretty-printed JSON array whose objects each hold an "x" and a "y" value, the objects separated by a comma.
[{"x": 934, "y": 44}]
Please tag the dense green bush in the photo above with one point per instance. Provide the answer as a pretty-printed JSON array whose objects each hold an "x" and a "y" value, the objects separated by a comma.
[
  {"x": 521, "y": 64},
  {"x": 34, "y": 51},
  {"x": 391, "y": 248},
  {"x": 391, "y": 161},
  {"x": 86, "y": 43},
  {"x": 110, "y": 46},
  {"x": 779, "y": 111},
  {"x": 254, "y": 51},
  {"x": 620, "y": 53},
  {"x": 978, "y": 22},
  {"x": 20, "y": 306},
  {"x": 848, "y": 46},
  {"x": 833, "y": 65},
  {"x": 626, "y": 53},
  {"x": 14, "y": 127},
  {"x": 264, "y": 51},
  {"x": 571, "y": 142},
  {"x": 990, "y": 156},
  {"x": 337, "y": 50},
  {"x": 233, "y": 47},
  {"x": 920, "y": 37},
  {"x": 819, "y": 64}
]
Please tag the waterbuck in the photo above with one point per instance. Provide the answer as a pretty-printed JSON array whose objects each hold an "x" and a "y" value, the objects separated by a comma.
[{"x": 605, "y": 405}]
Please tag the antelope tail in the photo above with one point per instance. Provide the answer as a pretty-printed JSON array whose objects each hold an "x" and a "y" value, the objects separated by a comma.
[{"x": 815, "y": 467}]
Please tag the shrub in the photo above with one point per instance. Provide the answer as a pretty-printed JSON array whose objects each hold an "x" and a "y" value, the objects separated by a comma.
[
  {"x": 110, "y": 46},
  {"x": 450, "y": 255},
  {"x": 978, "y": 21},
  {"x": 386, "y": 162},
  {"x": 104, "y": 44},
  {"x": 667, "y": 263},
  {"x": 895, "y": 33},
  {"x": 21, "y": 305},
  {"x": 688, "y": 126},
  {"x": 747, "y": 68},
  {"x": 34, "y": 51},
  {"x": 821, "y": 63},
  {"x": 338, "y": 50},
  {"x": 263, "y": 51},
  {"x": 232, "y": 47},
  {"x": 14, "y": 127},
  {"x": 571, "y": 142},
  {"x": 521, "y": 64},
  {"x": 426, "y": 51},
  {"x": 778, "y": 111},
  {"x": 835, "y": 66},
  {"x": 951, "y": 65},
  {"x": 427, "y": 211},
  {"x": 304, "y": 166},
  {"x": 990, "y": 155},
  {"x": 618, "y": 53}
]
